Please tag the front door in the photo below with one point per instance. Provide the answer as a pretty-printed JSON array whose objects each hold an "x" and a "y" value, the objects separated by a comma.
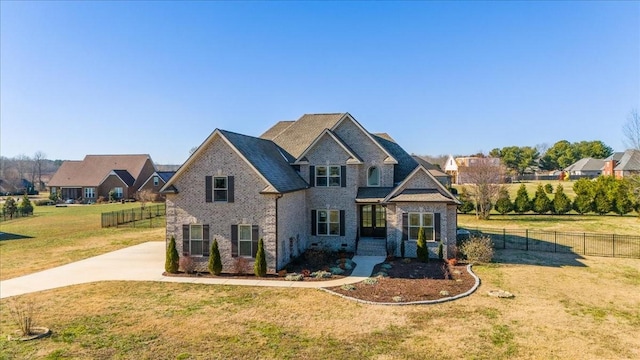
[{"x": 373, "y": 221}]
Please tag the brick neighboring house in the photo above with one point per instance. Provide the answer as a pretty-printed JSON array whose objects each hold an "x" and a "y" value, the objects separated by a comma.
[
  {"x": 586, "y": 167},
  {"x": 96, "y": 175},
  {"x": 320, "y": 181},
  {"x": 155, "y": 182},
  {"x": 622, "y": 164}
]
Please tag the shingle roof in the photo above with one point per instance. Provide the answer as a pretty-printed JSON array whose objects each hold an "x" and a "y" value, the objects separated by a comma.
[
  {"x": 421, "y": 195},
  {"x": 406, "y": 163},
  {"x": 297, "y": 136},
  {"x": 95, "y": 168},
  {"x": 616, "y": 156},
  {"x": 125, "y": 176},
  {"x": 372, "y": 194},
  {"x": 270, "y": 161},
  {"x": 165, "y": 175},
  {"x": 630, "y": 161},
  {"x": 586, "y": 164},
  {"x": 433, "y": 169},
  {"x": 276, "y": 129}
]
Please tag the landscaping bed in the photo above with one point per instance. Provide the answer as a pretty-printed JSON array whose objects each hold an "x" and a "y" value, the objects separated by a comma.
[{"x": 408, "y": 280}]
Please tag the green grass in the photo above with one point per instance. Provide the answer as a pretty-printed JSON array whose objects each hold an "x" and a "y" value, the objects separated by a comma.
[{"x": 55, "y": 236}]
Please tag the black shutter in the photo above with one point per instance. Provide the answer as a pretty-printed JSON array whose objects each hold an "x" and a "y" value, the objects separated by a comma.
[
  {"x": 342, "y": 227},
  {"x": 405, "y": 226},
  {"x": 208, "y": 189},
  {"x": 230, "y": 188},
  {"x": 254, "y": 239},
  {"x": 436, "y": 225},
  {"x": 234, "y": 240},
  {"x": 343, "y": 176},
  {"x": 205, "y": 240},
  {"x": 185, "y": 239},
  {"x": 312, "y": 175},
  {"x": 313, "y": 222}
]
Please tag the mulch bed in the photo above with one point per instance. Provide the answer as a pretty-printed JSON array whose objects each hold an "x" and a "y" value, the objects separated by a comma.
[{"x": 410, "y": 280}]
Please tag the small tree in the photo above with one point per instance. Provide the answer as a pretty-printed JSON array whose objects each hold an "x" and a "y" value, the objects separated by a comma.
[
  {"x": 583, "y": 204},
  {"x": 260, "y": 265},
  {"x": 561, "y": 202},
  {"x": 10, "y": 207},
  {"x": 504, "y": 204},
  {"x": 25, "y": 207},
  {"x": 112, "y": 195},
  {"x": 601, "y": 202},
  {"x": 172, "y": 259},
  {"x": 422, "y": 252},
  {"x": 467, "y": 205},
  {"x": 440, "y": 250},
  {"x": 622, "y": 202},
  {"x": 522, "y": 204},
  {"x": 215, "y": 261},
  {"x": 541, "y": 202},
  {"x": 548, "y": 188}
]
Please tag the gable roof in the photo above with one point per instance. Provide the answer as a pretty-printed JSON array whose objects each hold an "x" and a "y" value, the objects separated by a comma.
[
  {"x": 630, "y": 161},
  {"x": 355, "y": 159},
  {"x": 276, "y": 129},
  {"x": 93, "y": 169},
  {"x": 296, "y": 137},
  {"x": 445, "y": 195},
  {"x": 124, "y": 176},
  {"x": 586, "y": 164},
  {"x": 267, "y": 159},
  {"x": 616, "y": 156},
  {"x": 433, "y": 169},
  {"x": 405, "y": 162},
  {"x": 163, "y": 175}
]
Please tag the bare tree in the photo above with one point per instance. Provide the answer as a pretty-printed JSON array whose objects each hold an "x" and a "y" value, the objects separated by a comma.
[
  {"x": 23, "y": 166},
  {"x": 485, "y": 178},
  {"x": 38, "y": 159},
  {"x": 631, "y": 130}
]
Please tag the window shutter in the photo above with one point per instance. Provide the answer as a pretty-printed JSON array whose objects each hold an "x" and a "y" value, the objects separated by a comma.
[
  {"x": 343, "y": 176},
  {"x": 342, "y": 227},
  {"x": 405, "y": 226},
  {"x": 185, "y": 239},
  {"x": 313, "y": 222},
  {"x": 234, "y": 240},
  {"x": 230, "y": 188},
  {"x": 208, "y": 189},
  {"x": 312, "y": 175},
  {"x": 205, "y": 240},
  {"x": 254, "y": 240},
  {"x": 436, "y": 226}
]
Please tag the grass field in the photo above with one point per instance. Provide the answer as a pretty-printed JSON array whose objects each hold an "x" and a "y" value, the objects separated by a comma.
[
  {"x": 565, "y": 307},
  {"x": 532, "y": 186},
  {"x": 59, "y": 235}
]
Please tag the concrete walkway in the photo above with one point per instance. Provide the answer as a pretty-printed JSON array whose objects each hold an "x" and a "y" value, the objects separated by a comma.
[{"x": 145, "y": 262}]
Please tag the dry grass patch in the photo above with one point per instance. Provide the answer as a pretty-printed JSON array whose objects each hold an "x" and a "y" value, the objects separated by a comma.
[{"x": 565, "y": 307}]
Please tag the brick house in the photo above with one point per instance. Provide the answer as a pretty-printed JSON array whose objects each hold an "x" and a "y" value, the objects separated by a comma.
[
  {"x": 320, "y": 181},
  {"x": 96, "y": 175}
]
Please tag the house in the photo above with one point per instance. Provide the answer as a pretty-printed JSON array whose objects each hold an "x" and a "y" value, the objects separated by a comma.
[
  {"x": 458, "y": 167},
  {"x": 444, "y": 178},
  {"x": 155, "y": 182},
  {"x": 622, "y": 164},
  {"x": 97, "y": 175},
  {"x": 586, "y": 167},
  {"x": 320, "y": 181}
]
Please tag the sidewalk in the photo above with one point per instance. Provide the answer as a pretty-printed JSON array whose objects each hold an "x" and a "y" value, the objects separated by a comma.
[{"x": 145, "y": 262}]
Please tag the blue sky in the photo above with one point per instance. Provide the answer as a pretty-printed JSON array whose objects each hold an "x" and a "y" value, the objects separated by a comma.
[{"x": 81, "y": 78}]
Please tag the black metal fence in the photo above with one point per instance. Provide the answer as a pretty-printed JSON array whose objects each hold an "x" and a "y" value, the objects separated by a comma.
[
  {"x": 131, "y": 216},
  {"x": 612, "y": 245}
]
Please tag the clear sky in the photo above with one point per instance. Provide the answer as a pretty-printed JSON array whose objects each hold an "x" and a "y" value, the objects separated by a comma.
[{"x": 81, "y": 78}]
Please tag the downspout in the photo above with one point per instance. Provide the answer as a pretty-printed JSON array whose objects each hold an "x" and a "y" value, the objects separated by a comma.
[{"x": 277, "y": 197}]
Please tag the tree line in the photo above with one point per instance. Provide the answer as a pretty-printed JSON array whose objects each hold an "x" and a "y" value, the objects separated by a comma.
[
  {"x": 603, "y": 195},
  {"x": 31, "y": 168}
]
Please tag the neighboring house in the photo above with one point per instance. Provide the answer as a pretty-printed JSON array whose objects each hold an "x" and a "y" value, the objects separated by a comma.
[
  {"x": 623, "y": 164},
  {"x": 97, "y": 175},
  {"x": 457, "y": 168},
  {"x": 444, "y": 178},
  {"x": 586, "y": 167},
  {"x": 320, "y": 181},
  {"x": 156, "y": 181}
]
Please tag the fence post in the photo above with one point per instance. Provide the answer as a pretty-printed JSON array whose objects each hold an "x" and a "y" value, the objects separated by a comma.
[
  {"x": 504, "y": 238},
  {"x": 614, "y": 246},
  {"x": 526, "y": 232},
  {"x": 584, "y": 243},
  {"x": 555, "y": 241}
]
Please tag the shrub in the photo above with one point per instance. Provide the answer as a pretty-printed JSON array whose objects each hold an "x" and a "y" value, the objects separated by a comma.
[
  {"x": 601, "y": 202},
  {"x": 187, "y": 264},
  {"x": 561, "y": 202},
  {"x": 260, "y": 265},
  {"x": 541, "y": 203},
  {"x": 467, "y": 205},
  {"x": 240, "y": 265},
  {"x": 548, "y": 188},
  {"x": 422, "y": 250},
  {"x": 622, "y": 202},
  {"x": 583, "y": 204},
  {"x": 522, "y": 204},
  {"x": 317, "y": 257},
  {"x": 503, "y": 204},
  {"x": 478, "y": 249},
  {"x": 24, "y": 315},
  {"x": 172, "y": 258},
  {"x": 215, "y": 262},
  {"x": 440, "y": 250},
  {"x": 42, "y": 202}
]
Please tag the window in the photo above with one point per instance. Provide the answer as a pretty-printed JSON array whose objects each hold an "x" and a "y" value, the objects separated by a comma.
[
  {"x": 418, "y": 220},
  {"x": 327, "y": 175},
  {"x": 118, "y": 192},
  {"x": 220, "y": 189},
  {"x": 89, "y": 192},
  {"x": 329, "y": 222},
  {"x": 373, "y": 176},
  {"x": 195, "y": 240},
  {"x": 156, "y": 181},
  {"x": 245, "y": 240}
]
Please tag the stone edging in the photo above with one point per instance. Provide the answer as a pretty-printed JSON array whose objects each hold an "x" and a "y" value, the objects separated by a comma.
[{"x": 423, "y": 302}]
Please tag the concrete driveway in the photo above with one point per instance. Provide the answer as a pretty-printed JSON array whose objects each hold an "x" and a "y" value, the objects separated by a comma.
[{"x": 145, "y": 262}]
